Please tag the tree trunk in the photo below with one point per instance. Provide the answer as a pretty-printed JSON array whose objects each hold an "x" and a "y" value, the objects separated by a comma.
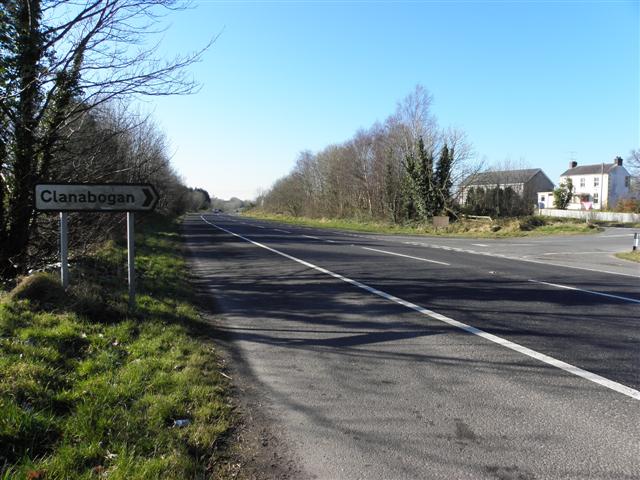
[{"x": 21, "y": 198}]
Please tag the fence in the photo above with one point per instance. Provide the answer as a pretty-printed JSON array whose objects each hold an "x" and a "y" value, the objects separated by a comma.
[{"x": 591, "y": 215}]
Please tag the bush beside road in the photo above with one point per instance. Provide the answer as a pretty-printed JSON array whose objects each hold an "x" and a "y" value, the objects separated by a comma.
[{"x": 90, "y": 391}]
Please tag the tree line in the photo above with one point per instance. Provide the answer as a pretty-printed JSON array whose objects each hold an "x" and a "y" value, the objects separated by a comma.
[
  {"x": 398, "y": 170},
  {"x": 68, "y": 70}
]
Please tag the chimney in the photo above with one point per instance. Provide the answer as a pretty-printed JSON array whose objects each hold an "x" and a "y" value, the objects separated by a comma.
[
  {"x": 617, "y": 161},
  {"x": 573, "y": 164}
]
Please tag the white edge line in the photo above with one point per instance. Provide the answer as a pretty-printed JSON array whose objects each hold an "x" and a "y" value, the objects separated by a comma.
[
  {"x": 406, "y": 256},
  {"x": 567, "y": 367},
  {"x": 312, "y": 237},
  {"x": 566, "y": 287}
]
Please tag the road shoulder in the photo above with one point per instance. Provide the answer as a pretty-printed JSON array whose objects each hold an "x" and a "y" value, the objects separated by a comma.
[{"x": 256, "y": 449}]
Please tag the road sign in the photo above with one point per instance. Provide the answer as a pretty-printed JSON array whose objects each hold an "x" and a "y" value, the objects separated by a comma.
[{"x": 96, "y": 197}]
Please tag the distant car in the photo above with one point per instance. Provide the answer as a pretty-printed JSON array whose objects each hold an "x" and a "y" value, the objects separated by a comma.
[{"x": 217, "y": 210}]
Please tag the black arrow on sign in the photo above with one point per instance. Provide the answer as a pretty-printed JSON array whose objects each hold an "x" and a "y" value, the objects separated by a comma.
[{"x": 148, "y": 197}]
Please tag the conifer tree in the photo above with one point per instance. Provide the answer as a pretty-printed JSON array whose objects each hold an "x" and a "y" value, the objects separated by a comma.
[
  {"x": 420, "y": 171},
  {"x": 442, "y": 180}
]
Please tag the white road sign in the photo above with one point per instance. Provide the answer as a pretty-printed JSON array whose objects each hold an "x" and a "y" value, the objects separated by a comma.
[{"x": 105, "y": 197}]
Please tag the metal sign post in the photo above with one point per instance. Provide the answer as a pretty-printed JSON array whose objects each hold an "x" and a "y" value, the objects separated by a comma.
[
  {"x": 97, "y": 197},
  {"x": 64, "y": 250},
  {"x": 131, "y": 260}
]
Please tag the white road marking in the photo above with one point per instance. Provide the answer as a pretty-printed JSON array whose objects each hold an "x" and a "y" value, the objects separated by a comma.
[
  {"x": 406, "y": 256},
  {"x": 576, "y": 253},
  {"x": 330, "y": 241},
  {"x": 621, "y": 235},
  {"x": 281, "y": 231},
  {"x": 608, "y": 295},
  {"x": 311, "y": 236},
  {"x": 520, "y": 259},
  {"x": 479, "y": 245},
  {"x": 567, "y": 367},
  {"x": 260, "y": 226}
]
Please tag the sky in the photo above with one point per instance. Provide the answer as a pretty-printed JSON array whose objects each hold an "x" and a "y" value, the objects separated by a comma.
[{"x": 535, "y": 84}]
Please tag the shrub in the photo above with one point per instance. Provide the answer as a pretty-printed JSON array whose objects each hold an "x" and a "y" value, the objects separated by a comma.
[
  {"x": 628, "y": 205},
  {"x": 530, "y": 223}
]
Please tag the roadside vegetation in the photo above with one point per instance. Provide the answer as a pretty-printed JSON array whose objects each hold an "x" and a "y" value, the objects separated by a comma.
[
  {"x": 399, "y": 174},
  {"x": 500, "y": 228},
  {"x": 633, "y": 256},
  {"x": 89, "y": 390},
  {"x": 65, "y": 116}
]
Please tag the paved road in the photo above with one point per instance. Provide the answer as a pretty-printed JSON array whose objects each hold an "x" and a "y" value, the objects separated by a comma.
[{"x": 417, "y": 357}]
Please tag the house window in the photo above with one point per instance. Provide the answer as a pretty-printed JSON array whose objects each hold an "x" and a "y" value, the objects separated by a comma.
[
  {"x": 596, "y": 181},
  {"x": 595, "y": 198},
  {"x": 627, "y": 181},
  {"x": 583, "y": 182}
]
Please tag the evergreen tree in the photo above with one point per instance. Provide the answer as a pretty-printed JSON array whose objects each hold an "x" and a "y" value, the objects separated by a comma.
[
  {"x": 562, "y": 195},
  {"x": 442, "y": 180},
  {"x": 420, "y": 172}
]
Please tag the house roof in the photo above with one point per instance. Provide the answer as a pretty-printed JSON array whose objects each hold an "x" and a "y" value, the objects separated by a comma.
[
  {"x": 502, "y": 177},
  {"x": 590, "y": 169}
]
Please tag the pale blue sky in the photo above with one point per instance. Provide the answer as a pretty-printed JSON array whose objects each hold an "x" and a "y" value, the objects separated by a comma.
[{"x": 532, "y": 81}]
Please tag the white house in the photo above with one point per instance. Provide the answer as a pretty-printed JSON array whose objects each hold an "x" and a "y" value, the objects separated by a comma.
[{"x": 596, "y": 187}]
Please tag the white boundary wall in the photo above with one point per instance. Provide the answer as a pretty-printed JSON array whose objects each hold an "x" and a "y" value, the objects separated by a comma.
[{"x": 591, "y": 215}]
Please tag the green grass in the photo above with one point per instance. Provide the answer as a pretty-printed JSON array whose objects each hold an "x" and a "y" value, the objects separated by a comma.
[
  {"x": 89, "y": 391},
  {"x": 501, "y": 228},
  {"x": 633, "y": 256}
]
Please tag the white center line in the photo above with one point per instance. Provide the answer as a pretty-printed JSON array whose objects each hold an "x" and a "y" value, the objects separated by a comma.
[
  {"x": 406, "y": 256},
  {"x": 479, "y": 245},
  {"x": 311, "y": 236},
  {"x": 567, "y": 367},
  {"x": 281, "y": 231},
  {"x": 608, "y": 295}
]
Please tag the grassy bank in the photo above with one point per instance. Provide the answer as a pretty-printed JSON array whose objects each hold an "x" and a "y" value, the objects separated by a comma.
[
  {"x": 632, "y": 256},
  {"x": 501, "y": 228},
  {"x": 90, "y": 391}
]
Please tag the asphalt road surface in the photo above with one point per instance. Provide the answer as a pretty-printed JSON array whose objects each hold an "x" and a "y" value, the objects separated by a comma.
[{"x": 423, "y": 357}]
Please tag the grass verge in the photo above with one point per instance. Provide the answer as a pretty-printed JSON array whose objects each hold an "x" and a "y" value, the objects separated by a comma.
[
  {"x": 501, "y": 228},
  {"x": 90, "y": 391},
  {"x": 633, "y": 256}
]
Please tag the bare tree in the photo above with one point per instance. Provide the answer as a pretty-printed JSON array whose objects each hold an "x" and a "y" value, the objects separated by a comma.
[
  {"x": 413, "y": 120},
  {"x": 59, "y": 60},
  {"x": 370, "y": 175},
  {"x": 110, "y": 144},
  {"x": 633, "y": 165}
]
